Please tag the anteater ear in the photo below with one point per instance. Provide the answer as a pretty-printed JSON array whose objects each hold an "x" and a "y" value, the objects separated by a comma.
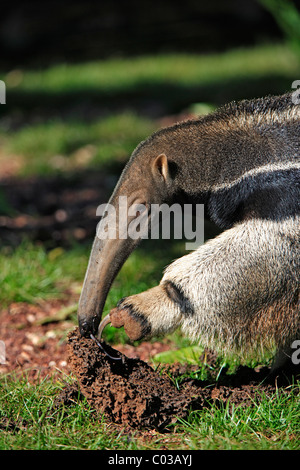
[{"x": 160, "y": 167}]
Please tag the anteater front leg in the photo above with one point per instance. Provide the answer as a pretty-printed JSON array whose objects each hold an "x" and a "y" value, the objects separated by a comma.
[{"x": 150, "y": 313}]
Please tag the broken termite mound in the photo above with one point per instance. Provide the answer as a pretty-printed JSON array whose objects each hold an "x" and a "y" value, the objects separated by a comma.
[{"x": 129, "y": 392}]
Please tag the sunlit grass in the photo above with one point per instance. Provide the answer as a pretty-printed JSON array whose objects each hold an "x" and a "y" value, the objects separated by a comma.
[
  {"x": 31, "y": 273},
  {"x": 30, "y": 419},
  {"x": 56, "y": 145},
  {"x": 270, "y": 424},
  {"x": 125, "y": 73},
  {"x": 67, "y": 142}
]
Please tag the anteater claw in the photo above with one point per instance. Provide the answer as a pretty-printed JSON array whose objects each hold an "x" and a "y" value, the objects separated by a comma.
[{"x": 105, "y": 321}]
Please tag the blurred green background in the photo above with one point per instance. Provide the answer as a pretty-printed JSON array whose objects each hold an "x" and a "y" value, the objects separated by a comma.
[{"x": 85, "y": 83}]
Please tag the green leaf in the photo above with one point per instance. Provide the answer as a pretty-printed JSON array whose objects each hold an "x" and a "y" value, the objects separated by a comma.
[{"x": 188, "y": 355}]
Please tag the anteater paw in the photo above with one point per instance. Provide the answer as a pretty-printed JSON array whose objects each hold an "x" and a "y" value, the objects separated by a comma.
[{"x": 135, "y": 324}]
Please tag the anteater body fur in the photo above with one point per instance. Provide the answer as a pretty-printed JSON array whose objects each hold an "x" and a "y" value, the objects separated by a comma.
[{"x": 240, "y": 290}]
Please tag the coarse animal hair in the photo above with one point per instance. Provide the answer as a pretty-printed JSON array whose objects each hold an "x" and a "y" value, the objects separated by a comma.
[{"x": 240, "y": 290}]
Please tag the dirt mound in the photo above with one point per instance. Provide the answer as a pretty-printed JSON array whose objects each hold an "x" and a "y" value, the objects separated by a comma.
[
  {"x": 130, "y": 392},
  {"x": 127, "y": 391}
]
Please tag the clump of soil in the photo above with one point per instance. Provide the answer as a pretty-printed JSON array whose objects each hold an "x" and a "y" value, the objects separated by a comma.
[
  {"x": 130, "y": 392},
  {"x": 127, "y": 391}
]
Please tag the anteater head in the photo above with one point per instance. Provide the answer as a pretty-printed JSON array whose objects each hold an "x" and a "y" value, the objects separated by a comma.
[{"x": 146, "y": 179}]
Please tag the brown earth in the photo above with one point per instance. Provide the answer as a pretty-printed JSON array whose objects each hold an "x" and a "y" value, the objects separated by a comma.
[
  {"x": 35, "y": 339},
  {"x": 56, "y": 210},
  {"x": 129, "y": 392},
  {"x": 34, "y": 348}
]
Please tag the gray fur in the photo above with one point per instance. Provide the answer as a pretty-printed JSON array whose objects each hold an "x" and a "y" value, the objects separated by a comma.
[{"x": 240, "y": 289}]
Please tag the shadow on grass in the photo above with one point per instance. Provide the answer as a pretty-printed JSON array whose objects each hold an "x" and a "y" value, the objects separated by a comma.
[
  {"x": 60, "y": 209},
  {"x": 146, "y": 98},
  {"x": 55, "y": 210}
]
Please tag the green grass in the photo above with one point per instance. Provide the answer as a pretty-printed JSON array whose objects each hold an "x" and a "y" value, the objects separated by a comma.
[
  {"x": 53, "y": 134},
  {"x": 55, "y": 145},
  {"x": 128, "y": 74},
  {"x": 43, "y": 274},
  {"x": 272, "y": 424},
  {"x": 43, "y": 124},
  {"x": 29, "y": 419},
  {"x": 30, "y": 273},
  {"x": 41, "y": 426}
]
